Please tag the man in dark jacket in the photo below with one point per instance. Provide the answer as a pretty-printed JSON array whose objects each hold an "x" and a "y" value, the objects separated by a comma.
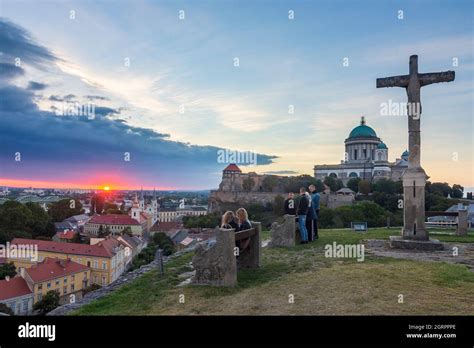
[
  {"x": 290, "y": 204},
  {"x": 301, "y": 212},
  {"x": 315, "y": 199},
  {"x": 310, "y": 218}
]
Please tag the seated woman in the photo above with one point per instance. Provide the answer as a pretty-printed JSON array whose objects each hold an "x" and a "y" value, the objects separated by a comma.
[
  {"x": 228, "y": 221},
  {"x": 244, "y": 224}
]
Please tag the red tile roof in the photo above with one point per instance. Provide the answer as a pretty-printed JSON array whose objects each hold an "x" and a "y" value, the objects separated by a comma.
[
  {"x": 109, "y": 243},
  {"x": 65, "y": 248},
  {"x": 66, "y": 234},
  {"x": 166, "y": 226},
  {"x": 113, "y": 219},
  {"x": 232, "y": 168},
  {"x": 13, "y": 288},
  {"x": 52, "y": 268}
]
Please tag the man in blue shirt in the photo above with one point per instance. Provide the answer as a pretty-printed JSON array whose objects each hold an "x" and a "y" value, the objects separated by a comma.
[{"x": 315, "y": 200}]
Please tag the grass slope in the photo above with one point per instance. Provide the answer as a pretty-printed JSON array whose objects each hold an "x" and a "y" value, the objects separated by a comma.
[{"x": 318, "y": 285}]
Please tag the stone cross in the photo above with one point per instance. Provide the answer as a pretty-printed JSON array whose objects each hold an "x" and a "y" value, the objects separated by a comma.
[{"x": 414, "y": 178}]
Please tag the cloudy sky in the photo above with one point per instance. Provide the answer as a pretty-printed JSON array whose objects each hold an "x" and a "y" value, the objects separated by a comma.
[{"x": 163, "y": 79}]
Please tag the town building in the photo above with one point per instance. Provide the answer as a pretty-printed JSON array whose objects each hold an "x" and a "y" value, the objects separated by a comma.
[
  {"x": 16, "y": 294},
  {"x": 67, "y": 236},
  {"x": 177, "y": 213},
  {"x": 101, "y": 260},
  {"x": 66, "y": 277},
  {"x": 115, "y": 224}
]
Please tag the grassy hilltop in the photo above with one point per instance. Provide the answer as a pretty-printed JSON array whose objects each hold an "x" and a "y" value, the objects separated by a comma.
[{"x": 319, "y": 285}]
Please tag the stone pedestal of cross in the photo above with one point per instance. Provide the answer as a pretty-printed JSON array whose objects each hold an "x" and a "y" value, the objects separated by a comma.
[{"x": 414, "y": 177}]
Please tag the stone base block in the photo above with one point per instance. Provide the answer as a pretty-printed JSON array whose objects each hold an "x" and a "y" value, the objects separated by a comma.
[{"x": 398, "y": 242}]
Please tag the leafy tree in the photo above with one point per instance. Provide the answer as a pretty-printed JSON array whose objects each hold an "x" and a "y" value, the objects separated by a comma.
[
  {"x": 385, "y": 185},
  {"x": 293, "y": 183},
  {"x": 333, "y": 183},
  {"x": 319, "y": 185},
  {"x": 330, "y": 182},
  {"x": 440, "y": 188},
  {"x": 64, "y": 209},
  {"x": 458, "y": 191},
  {"x": 127, "y": 230},
  {"x": 23, "y": 221},
  {"x": 40, "y": 220},
  {"x": 201, "y": 221},
  {"x": 399, "y": 187},
  {"x": 248, "y": 184},
  {"x": 387, "y": 201},
  {"x": 368, "y": 211},
  {"x": 49, "y": 302},
  {"x": 163, "y": 242},
  {"x": 5, "y": 309},
  {"x": 15, "y": 216},
  {"x": 437, "y": 202},
  {"x": 100, "y": 233},
  {"x": 353, "y": 184},
  {"x": 110, "y": 206},
  {"x": 106, "y": 231},
  {"x": 7, "y": 269},
  {"x": 326, "y": 217},
  {"x": 269, "y": 183},
  {"x": 364, "y": 187},
  {"x": 97, "y": 203},
  {"x": 6, "y": 235}
]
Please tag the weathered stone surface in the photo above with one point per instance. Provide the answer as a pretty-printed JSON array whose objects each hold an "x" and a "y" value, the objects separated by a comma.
[
  {"x": 283, "y": 235},
  {"x": 462, "y": 223},
  {"x": 216, "y": 264},
  {"x": 250, "y": 257},
  {"x": 412, "y": 244}
]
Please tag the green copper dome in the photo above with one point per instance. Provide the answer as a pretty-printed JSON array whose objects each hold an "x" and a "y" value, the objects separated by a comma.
[
  {"x": 363, "y": 131},
  {"x": 382, "y": 146},
  {"x": 405, "y": 153}
]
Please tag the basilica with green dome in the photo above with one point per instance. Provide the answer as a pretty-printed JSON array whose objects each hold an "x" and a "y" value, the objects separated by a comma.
[{"x": 366, "y": 157}]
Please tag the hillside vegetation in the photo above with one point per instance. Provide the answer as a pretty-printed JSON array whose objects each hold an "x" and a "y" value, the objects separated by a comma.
[{"x": 319, "y": 285}]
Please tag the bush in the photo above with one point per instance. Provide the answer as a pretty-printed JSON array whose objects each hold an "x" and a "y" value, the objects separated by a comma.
[
  {"x": 201, "y": 221},
  {"x": 326, "y": 217},
  {"x": 90, "y": 288},
  {"x": 163, "y": 242},
  {"x": 49, "y": 302},
  {"x": 5, "y": 309},
  {"x": 341, "y": 217},
  {"x": 7, "y": 269}
]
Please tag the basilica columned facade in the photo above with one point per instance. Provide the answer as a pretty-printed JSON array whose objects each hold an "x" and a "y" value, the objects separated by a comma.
[{"x": 366, "y": 157}]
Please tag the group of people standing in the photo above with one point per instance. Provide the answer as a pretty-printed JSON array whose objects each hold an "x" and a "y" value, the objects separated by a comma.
[{"x": 305, "y": 207}]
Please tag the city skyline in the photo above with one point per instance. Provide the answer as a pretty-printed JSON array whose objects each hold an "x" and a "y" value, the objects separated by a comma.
[{"x": 168, "y": 91}]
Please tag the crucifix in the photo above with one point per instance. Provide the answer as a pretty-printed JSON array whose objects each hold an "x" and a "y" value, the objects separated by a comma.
[{"x": 414, "y": 177}]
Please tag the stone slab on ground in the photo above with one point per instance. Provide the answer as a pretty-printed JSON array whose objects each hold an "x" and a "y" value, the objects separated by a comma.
[
  {"x": 398, "y": 242},
  {"x": 455, "y": 253}
]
